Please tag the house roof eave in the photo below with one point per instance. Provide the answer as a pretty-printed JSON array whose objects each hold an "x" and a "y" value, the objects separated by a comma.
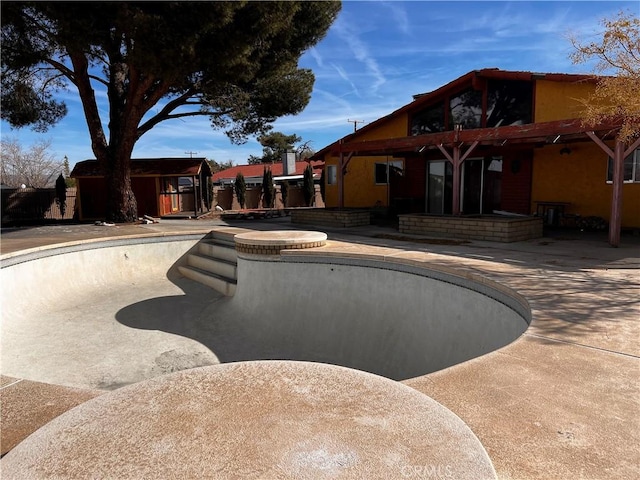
[{"x": 533, "y": 133}]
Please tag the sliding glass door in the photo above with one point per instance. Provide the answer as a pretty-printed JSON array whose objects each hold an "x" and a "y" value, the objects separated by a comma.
[
  {"x": 439, "y": 198},
  {"x": 480, "y": 186}
]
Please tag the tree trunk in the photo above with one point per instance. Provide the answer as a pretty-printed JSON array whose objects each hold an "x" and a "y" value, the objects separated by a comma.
[{"x": 121, "y": 202}]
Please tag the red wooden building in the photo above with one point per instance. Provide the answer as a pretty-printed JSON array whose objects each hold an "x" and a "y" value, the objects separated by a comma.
[{"x": 162, "y": 186}]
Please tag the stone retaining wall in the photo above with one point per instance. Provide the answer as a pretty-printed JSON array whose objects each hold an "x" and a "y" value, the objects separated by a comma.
[
  {"x": 495, "y": 229},
  {"x": 331, "y": 218}
]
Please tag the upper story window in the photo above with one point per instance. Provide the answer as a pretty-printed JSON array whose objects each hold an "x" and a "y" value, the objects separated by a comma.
[
  {"x": 466, "y": 109},
  {"x": 509, "y": 102},
  {"x": 429, "y": 120},
  {"x": 631, "y": 168},
  {"x": 500, "y": 103}
]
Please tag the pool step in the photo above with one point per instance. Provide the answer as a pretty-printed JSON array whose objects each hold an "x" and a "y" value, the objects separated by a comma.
[
  {"x": 226, "y": 286},
  {"x": 216, "y": 261},
  {"x": 217, "y": 265}
]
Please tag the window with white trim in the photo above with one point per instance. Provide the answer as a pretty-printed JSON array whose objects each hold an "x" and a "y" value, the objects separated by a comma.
[
  {"x": 631, "y": 168},
  {"x": 332, "y": 171},
  {"x": 382, "y": 171}
]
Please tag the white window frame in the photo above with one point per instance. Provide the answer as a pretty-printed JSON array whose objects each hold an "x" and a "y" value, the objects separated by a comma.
[
  {"x": 332, "y": 174},
  {"x": 395, "y": 162},
  {"x": 634, "y": 158}
]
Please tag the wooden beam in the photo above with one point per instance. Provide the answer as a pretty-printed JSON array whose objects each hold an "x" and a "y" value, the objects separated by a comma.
[
  {"x": 616, "y": 196},
  {"x": 532, "y": 132},
  {"x": 346, "y": 163},
  {"x": 340, "y": 174},
  {"x": 469, "y": 150},
  {"x": 618, "y": 154},
  {"x": 600, "y": 143},
  {"x": 456, "y": 161},
  {"x": 456, "y": 180},
  {"x": 632, "y": 147}
]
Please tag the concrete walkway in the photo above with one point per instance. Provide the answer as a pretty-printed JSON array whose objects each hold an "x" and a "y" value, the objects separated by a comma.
[{"x": 563, "y": 401}]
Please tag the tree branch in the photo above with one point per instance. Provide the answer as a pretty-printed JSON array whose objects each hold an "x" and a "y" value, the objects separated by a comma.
[
  {"x": 89, "y": 104},
  {"x": 159, "y": 118}
]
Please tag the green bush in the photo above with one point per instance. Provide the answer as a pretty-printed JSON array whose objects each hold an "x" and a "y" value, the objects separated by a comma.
[
  {"x": 240, "y": 188},
  {"x": 61, "y": 194},
  {"x": 308, "y": 188},
  {"x": 268, "y": 190}
]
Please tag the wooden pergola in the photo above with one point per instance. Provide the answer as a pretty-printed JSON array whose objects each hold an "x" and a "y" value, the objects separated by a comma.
[{"x": 456, "y": 145}]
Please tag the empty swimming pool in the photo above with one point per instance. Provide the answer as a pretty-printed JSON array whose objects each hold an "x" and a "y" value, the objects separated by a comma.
[{"x": 110, "y": 313}]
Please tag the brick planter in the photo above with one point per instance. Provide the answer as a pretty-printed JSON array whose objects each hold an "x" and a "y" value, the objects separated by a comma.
[
  {"x": 491, "y": 228},
  {"x": 330, "y": 217}
]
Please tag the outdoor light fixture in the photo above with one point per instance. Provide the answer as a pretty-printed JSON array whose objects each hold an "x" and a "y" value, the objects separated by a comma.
[{"x": 565, "y": 150}]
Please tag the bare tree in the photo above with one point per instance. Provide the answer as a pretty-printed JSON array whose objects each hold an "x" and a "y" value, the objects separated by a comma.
[
  {"x": 35, "y": 167},
  {"x": 616, "y": 52}
]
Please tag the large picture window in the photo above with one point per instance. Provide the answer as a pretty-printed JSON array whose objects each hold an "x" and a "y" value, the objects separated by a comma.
[
  {"x": 430, "y": 120},
  {"x": 466, "y": 109},
  {"x": 509, "y": 103},
  {"x": 631, "y": 168}
]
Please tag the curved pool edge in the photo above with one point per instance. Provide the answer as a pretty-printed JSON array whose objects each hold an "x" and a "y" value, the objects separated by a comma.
[
  {"x": 310, "y": 420},
  {"x": 396, "y": 261},
  {"x": 307, "y": 256},
  {"x": 511, "y": 397},
  {"x": 422, "y": 267},
  {"x": 26, "y": 255}
]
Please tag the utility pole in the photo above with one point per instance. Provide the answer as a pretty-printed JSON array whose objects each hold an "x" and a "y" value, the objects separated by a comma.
[
  {"x": 355, "y": 123},
  {"x": 190, "y": 154}
]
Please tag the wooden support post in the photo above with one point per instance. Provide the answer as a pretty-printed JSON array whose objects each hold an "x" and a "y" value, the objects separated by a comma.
[
  {"x": 618, "y": 155},
  {"x": 616, "y": 197},
  {"x": 340, "y": 178},
  {"x": 457, "y": 167},
  {"x": 456, "y": 161}
]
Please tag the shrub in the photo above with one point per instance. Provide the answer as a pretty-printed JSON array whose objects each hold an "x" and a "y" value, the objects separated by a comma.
[
  {"x": 240, "y": 188},
  {"x": 268, "y": 190},
  {"x": 308, "y": 188},
  {"x": 61, "y": 194}
]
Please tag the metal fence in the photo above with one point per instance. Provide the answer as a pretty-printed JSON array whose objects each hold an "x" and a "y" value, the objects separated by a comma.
[{"x": 35, "y": 205}]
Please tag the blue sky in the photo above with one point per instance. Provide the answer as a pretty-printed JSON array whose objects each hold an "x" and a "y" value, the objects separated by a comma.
[{"x": 374, "y": 58}]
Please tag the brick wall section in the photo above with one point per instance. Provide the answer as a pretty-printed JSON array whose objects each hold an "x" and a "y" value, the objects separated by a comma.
[
  {"x": 331, "y": 218},
  {"x": 274, "y": 249},
  {"x": 495, "y": 229}
]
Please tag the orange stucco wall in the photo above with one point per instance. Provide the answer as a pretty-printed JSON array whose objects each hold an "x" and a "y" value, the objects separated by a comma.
[
  {"x": 580, "y": 179},
  {"x": 559, "y": 100},
  {"x": 360, "y": 189}
]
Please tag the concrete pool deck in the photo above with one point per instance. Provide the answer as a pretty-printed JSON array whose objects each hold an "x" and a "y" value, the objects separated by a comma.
[{"x": 560, "y": 402}]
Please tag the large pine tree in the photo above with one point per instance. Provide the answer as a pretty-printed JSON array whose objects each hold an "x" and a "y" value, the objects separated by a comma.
[{"x": 235, "y": 61}]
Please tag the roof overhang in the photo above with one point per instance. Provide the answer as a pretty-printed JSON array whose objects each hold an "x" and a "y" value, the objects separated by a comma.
[{"x": 532, "y": 134}]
